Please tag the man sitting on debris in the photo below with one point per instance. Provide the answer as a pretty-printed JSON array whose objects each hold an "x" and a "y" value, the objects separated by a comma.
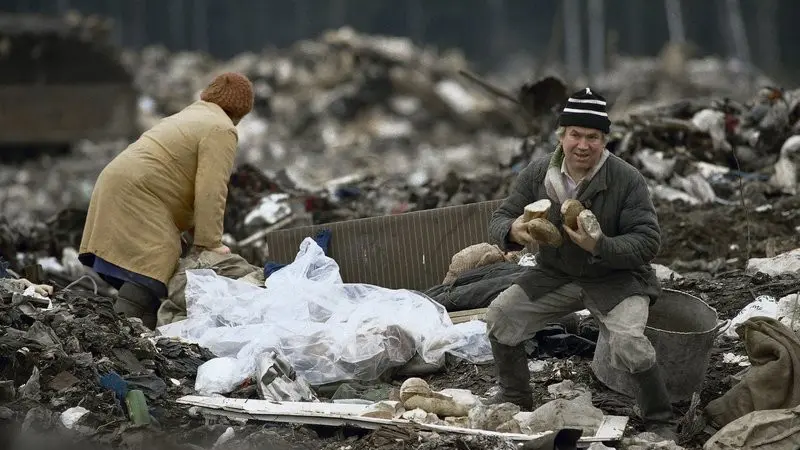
[
  {"x": 603, "y": 267},
  {"x": 173, "y": 179}
]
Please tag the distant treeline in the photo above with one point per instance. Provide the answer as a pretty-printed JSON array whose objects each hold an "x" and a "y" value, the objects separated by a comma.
[{"x": 485, "y": 30}]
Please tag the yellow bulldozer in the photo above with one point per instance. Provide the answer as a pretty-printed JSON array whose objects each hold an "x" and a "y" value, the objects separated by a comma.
[{"x": 61, "y": 81}]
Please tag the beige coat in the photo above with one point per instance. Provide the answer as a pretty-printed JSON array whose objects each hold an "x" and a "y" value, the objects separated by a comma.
[{"x": 173, "y": 178}]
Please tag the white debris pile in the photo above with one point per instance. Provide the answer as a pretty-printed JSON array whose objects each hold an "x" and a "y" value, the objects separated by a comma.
[
  {"x": 342, "y": 96},
  {"x": 786, "y": 310},
  {"x": 406, "y": 118},
  {"x": 382, "y": 104}
]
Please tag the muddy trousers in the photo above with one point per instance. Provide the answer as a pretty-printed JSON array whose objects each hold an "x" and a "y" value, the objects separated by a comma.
[
  {"x": 513, "y": 318},
  {"x": 134, "y": 300}
]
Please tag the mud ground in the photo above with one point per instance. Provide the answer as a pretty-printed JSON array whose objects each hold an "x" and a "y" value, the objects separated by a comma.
[{"x": 708, "y": 233}]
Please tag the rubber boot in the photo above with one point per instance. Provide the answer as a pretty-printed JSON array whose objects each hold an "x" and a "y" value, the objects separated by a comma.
[
  {"x": 654, "y": 403},
  {"x": 513, "y": 376},
  {"x": 136, "y": 301}
]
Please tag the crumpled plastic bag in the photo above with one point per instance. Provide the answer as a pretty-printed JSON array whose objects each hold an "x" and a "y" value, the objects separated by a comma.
[
  {"x": 220, "y": 376},
  {"x": 785, "y": 263},
  {"x": 270, "y": 210},
  {"x": 71, "y": 416},
  {"x": 328, "y": 330},
  {"x": 561, "y": 413},
  {"x": 696, "y": 186},
  {"x": 763, "y": 305},
  {"x": 787, "y": 168},
  {"x": 472, "y": 343},
  {"x": 713, "y": 122},
  {"x": 786, "y": 310},
  {"x": 278, "y": 381}
]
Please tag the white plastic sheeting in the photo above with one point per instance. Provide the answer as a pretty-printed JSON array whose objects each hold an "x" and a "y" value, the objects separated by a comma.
[
  {"x": 328, "y": 330},
  {"x": 786, "y": 311}
]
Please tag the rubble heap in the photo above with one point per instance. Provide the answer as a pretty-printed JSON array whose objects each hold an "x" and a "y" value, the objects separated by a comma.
[
  {"x": 389, "y": 127},
  {"x": 350, "y": 126},
  {"x": 72, "y": 353},
  {"x": 342, "y": 97},
  {"x": 348, "y": 102}
]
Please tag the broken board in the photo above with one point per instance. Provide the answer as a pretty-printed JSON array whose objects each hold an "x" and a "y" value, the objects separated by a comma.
[
  {"x": 468, "y": 315},
  {"x": 342, "y": 414}
]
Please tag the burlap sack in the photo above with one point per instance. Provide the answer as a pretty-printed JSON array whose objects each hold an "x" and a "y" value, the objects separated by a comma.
[{"x": 477, "y": 255}]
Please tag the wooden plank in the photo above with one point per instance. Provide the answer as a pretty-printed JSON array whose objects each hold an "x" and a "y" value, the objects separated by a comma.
[
  {"x": 464, "y": 319},
  {"x": 313, "y": 409},
  {"x": 468, "y": 312},
  {"x": 468, "y": 315},
  {"x": 339, "y": 414}
]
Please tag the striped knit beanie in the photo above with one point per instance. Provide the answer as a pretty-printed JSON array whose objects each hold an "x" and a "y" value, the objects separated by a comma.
[{"x": 585, "y": 109}]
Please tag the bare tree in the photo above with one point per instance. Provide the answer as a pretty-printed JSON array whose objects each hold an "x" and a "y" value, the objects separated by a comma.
[
  {"x": 738, "y": 31},
  {"x": 768, "y": 44},
  {"x": 572, "y": 38},
  {"x": 415, "y": 17},
  {"x": 677, "y": 32},
  {"x": 177, "y": 27},
  {"x": 597, "y": 37}
]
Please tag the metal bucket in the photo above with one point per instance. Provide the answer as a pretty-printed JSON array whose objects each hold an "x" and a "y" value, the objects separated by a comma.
[{"x": 682, "y": 328}]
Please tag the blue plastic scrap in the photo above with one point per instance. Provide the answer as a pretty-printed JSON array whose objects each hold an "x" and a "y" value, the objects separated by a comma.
[
  {"x": 113, "y": 382},
  {"x": 348, "y": 192},
  {"x": 323, "y": 239}
]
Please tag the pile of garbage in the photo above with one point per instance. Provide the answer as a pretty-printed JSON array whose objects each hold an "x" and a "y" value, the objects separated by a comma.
[
  {"x": 73, "y": 368},
  {"x": 70, "y": 363},
  {"x": 379, "y": 106},
  {"x": 364, "y": 100}
]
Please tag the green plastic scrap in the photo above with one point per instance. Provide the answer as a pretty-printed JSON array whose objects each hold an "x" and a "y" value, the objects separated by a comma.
[{"x": 137, "y": 407}]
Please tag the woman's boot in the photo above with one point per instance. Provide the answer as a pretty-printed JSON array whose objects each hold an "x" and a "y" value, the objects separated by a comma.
[{"x": 136, "y": 301}]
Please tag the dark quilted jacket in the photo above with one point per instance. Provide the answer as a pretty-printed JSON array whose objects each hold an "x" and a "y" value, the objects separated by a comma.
[{"x": 619, "y": 197}]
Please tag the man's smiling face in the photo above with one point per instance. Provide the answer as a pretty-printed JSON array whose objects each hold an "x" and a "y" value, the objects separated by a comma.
[{"x": 582, "y": 148}]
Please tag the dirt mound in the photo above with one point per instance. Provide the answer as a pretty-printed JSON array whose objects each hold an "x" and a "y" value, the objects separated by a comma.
[{"x": 726, "y": 232}]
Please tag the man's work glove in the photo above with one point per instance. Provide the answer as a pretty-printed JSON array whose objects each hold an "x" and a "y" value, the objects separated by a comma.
[{"x": 588, "y": 233}]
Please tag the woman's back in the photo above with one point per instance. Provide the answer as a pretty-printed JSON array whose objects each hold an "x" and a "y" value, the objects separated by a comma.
[
  {"x": 172, "y": 179},
  {"x": 163, "y": 161}
]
